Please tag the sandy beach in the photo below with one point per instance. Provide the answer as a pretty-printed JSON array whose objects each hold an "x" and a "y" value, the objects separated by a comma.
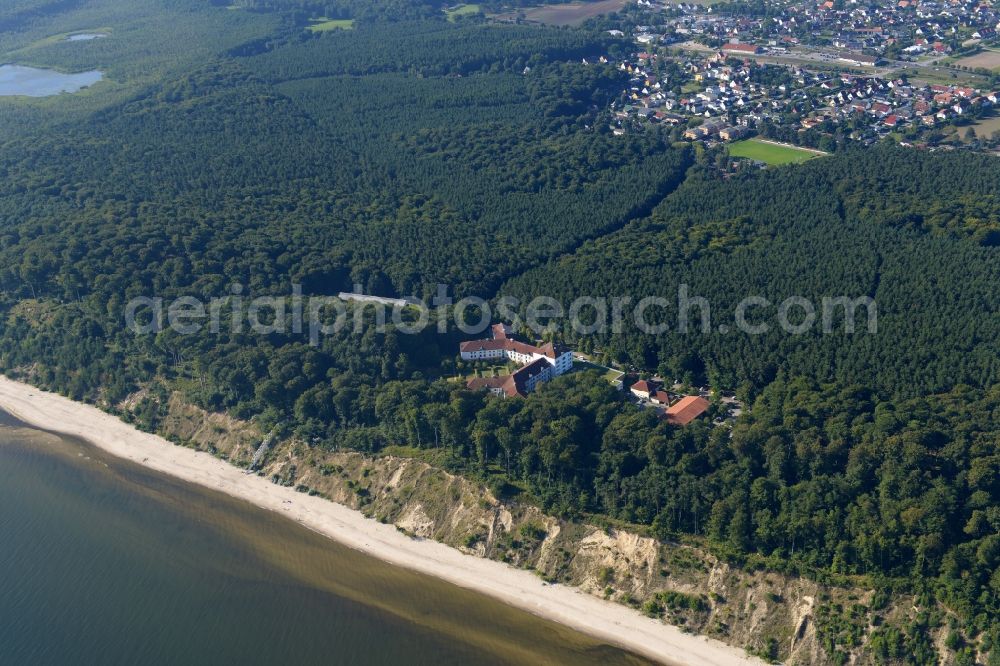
[{"x": 608, "y": 621}]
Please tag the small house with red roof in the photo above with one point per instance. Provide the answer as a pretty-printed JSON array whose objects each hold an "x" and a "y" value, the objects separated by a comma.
[{"x": 645, "y": 388}]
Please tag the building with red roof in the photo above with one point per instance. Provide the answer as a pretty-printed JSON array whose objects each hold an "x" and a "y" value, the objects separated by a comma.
[
  {"x": 686, "y": 410},
  {"x": 661, "y": 397},
  {"x": 540, "y": 364},
  {"x": 644, "y": 388}
]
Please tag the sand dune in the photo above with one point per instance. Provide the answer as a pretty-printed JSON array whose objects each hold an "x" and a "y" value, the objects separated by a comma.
[{"x": 606, "y": 620}]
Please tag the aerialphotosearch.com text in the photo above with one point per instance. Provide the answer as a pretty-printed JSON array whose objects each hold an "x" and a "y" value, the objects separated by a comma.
[{"x": 316, "y": 317}]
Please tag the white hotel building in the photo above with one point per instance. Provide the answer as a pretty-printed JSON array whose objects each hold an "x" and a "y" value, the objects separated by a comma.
[{"x": 541, "y": 364}]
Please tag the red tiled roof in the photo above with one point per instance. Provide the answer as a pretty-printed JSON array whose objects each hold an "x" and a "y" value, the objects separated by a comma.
[
  {"x": 519, "y": 380},
  {"x": 548, "y": 349},
  {"x": 644, "y": 387},
  {"x": 482, "y": 345},
  {"x": 477, "y": 383},
  {"x": 686, "y": 410},
  {"x": 512, "y": 385}
]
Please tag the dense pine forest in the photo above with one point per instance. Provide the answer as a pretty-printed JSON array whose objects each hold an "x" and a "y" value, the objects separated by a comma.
[
  {"x": 918, "y": 233},
  {"x": 409, "y": 151}
]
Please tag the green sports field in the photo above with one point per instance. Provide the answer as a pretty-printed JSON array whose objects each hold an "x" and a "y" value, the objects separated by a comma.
[{"x": 771, "y": 153}]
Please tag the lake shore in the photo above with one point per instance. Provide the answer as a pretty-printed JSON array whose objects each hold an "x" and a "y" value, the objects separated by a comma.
[{"x": 606, "y": 620}]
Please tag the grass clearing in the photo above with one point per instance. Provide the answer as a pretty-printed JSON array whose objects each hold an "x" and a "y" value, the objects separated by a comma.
[
  {"x": 439, "y": 458},
  {"x": 985, "y": 127},
  {"x": 986, "y": 59},
  {"x": 945, "y": 75},
  {"x": 328, "y": 25},
  {"x": 60, "y": 38},
  {"x": 462, "y": 10},
  {"x": 772, "y": 153},
  {"x": 487, "y": 372},
  {"x": 570, "y": 14},
  {"x": 609, "y": 374}
]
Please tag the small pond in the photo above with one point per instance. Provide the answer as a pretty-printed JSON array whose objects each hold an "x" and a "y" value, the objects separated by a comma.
[
  {"x": 34, "y": 82},
  {"x": 85, "y": 37}
]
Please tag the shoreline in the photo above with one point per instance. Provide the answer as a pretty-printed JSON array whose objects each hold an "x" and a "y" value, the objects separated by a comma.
[{"x": 617, "y": 624}]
